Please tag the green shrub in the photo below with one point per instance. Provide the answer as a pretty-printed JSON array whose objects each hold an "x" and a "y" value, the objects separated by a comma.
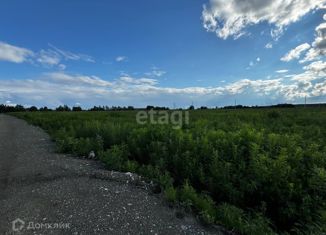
[
  {"x": 235, "y": 219},
  {"x": 274, "y": 114},
  {"x": 165, "y": 180},
  {"x": 115, "y": 157},
  {"x": 187, "y": 194},
  {"x": 170, "y": 194},
  {"x": 206, "y": 218},
  {"x": 131, "y": 166}
]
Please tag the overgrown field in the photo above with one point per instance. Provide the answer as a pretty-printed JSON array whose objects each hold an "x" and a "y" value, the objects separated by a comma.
[{"x": 257, "y": 171}]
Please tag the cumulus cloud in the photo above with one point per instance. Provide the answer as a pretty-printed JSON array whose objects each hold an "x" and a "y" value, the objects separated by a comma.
[
  {"x": 54, "y": 89},
  {"x": 316, "y": 67},
  {"x": 14, "y": 54},
  {"x": 257, "y": 86},
  {"x": 296, "y": 52},
  {"x": 231, "y": 18},
  {"x": 310, "y": 83},
  {"x": 319, "y": 89},
  {"x": 319, "y": 45}
]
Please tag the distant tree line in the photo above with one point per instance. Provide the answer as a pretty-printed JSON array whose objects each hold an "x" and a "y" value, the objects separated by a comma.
[
  {"x": 62, "y": 108},
  {"x": 17, "y": 108},
  {"x": 256, "y": 106},
  {"x": 65, "y": 108},
  {"x": 113, "y": 108},
  {"x": 149, "y": 107}
]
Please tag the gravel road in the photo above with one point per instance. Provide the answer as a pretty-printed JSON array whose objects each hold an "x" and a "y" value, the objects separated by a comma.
[{"x": 49, "y": 193}]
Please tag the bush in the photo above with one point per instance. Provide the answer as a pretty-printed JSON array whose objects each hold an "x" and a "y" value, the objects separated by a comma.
[
  {"x": 131, "y": 166},
  {"x": 235, "y": 219},
  {"x": 274, "y": 114},
  {"x": 115, "y": 157},
  {"x": 170, "y": 194}
]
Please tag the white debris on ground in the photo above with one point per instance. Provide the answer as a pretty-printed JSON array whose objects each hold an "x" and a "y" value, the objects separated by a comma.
[{"x": 91, "y": 155}]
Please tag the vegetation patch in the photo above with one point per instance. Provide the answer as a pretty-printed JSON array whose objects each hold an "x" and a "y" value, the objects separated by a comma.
[{"x": 252, "y": 171}]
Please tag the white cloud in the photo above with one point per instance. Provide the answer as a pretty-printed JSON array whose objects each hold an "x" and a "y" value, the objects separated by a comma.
[
  {"x": 78, "y": 79},
  {"x": 231, "y": 18},
  {"x": 282, "y": 71},
  {"x": 258, "y": 86},
  {"x": 45, "y": 57},
  {"x": 14, "y": 54},
  {"x": 54, "y": 89},
  {"x": 121, "y": 58},
  {"x": 317, "y": 67},
  {"x": 296, "y": 52},
  {"x": 156, "y": 72},
  {"x": 127, "y": 80},
  {"x": 67, "y": 55},
  {"x": 48, "y": 58},
  {"x": 9, "y": 103},
  {"x": 269, "y": 45},
  {"x": 55, "y": 57},
  {"x": 311, "y": 82},
  {"x": 319, "y": 45},
  {"x": 319, "y": 89}
]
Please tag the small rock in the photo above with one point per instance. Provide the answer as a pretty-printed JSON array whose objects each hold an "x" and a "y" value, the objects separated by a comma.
[
  {"x": 91, "y": 155},
  {"x": 130, "y": 175}
]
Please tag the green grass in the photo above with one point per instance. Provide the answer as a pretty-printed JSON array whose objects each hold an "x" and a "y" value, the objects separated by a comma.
[{"x": 257, "y": 171}]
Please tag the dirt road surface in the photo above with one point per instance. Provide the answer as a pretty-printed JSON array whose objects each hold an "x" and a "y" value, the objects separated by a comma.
[{"x": 42, "y": 192}]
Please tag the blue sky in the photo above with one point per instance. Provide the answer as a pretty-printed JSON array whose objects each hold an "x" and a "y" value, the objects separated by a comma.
[{"x": 162, "y": 52}]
